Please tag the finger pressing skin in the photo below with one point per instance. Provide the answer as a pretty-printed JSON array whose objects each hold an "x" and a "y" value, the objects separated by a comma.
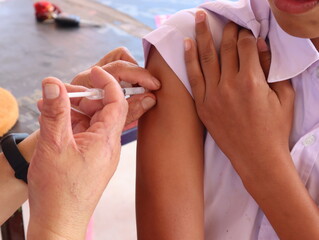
[
  {"x": 228, "y": 52},
  {"x": 247, "y": 50},
  {"x": 121, "y": 53},
  {"x": 207, "y": 51},
  {"x": 131, "y": 73},
  {"x": 264, "y": 55},
  {"x": 138, "y": 105},
  {"x": 194, "y": 71}
]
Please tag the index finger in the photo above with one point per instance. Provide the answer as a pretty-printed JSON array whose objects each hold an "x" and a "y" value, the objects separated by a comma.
[
  {"x": 131, "y": 73},
  {"x": 229, "y": 53},
  {"x": 247, "y": 50},
  {"x": 206, "y": 50}
]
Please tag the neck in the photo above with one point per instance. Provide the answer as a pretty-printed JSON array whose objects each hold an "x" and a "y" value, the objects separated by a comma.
[{"x": 315, "y": 42}]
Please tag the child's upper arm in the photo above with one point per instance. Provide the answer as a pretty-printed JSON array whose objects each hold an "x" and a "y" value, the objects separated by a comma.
[
  {"x": 170, "y": 162},
  {"x": 170, "y": 154}
]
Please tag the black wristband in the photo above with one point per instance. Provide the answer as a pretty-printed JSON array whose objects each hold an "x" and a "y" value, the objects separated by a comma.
[{"x": 13, "y": 155}]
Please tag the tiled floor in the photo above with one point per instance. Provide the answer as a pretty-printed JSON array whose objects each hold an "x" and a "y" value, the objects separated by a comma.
[{"x": 114, "y": 218}]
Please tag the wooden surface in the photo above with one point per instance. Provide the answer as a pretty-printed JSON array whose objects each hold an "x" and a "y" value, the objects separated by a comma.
[{"x": 31, "y": 51}]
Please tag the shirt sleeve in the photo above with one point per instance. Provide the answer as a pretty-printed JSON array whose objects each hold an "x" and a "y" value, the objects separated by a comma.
[{"x": 168, "y": 39}]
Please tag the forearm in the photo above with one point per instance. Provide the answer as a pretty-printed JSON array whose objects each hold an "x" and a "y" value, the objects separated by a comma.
[
  {"x": 14, "y": 191},
  {"x": 284, "y": 199}
]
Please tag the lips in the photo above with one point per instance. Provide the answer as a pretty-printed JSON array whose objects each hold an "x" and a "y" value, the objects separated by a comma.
[{"x": 296, "y": 6}]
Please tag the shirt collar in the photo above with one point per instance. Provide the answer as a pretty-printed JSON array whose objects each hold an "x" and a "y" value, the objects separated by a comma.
[{"x": 290, "y": 55}]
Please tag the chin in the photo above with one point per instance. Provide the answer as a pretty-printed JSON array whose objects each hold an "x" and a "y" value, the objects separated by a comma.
[
  {"x": 301, "y": 33},
  {"x": 303, "y": 25}
]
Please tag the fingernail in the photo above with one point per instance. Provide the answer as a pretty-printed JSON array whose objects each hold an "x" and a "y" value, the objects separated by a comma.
[
  {"x": 157, "y": 83},
  {"x": 200, "y": 16},
  {"x": 262, "y": 45},
  {"x": 148, "y": 102},
  {"x": 187, "y": 44},
  {"x": 51, "y": 91}
]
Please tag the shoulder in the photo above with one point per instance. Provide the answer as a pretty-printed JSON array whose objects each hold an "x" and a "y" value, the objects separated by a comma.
[
  {"x": 182, "y": 24},
  {"x": 169, "y": 39}
]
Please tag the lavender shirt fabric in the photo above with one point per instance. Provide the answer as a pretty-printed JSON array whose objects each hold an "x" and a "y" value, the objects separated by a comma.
[{"x": 230, "y": 212}]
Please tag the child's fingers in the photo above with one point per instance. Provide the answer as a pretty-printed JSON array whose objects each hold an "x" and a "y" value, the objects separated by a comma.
[
  {"x": 229, "y": 52},
  {"x": 264, "y": 55},
  {"x": 247, "y": 51},
  {"x": 285, "y": 93},
  {"x": 194, "y": 71},
  {"x": 206, "y": 50}
]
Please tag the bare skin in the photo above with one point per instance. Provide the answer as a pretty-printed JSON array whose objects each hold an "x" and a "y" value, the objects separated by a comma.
[
  {"x": 261, "y": 120},
  {"x": 304, "y": 25},
  {"x": 170, "y": 182}
]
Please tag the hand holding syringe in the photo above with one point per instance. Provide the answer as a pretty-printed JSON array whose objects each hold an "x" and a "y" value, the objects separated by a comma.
[{"x": 96, "y": 93}]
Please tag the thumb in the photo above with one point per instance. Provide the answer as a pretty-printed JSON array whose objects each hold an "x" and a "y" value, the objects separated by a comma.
[
  {"x": 285, "y": 92},
  {"x": 138, "y": 105},
  {"x": 264, "y": 55},
  {"x": 55, "y": 119}
]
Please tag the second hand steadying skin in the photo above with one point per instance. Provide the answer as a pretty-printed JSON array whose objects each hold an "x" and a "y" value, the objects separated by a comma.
[{"x": 97, "y": 93}]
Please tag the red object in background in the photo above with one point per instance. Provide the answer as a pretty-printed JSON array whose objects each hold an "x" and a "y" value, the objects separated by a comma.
[{"x": 45, "y": 10}]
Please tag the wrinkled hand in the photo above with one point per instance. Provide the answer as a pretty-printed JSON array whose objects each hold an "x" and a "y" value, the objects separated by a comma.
[
  {"x": 122, "y": 66},
  {"x": 247, "y": 118},
  {"x": 69, "y": 172}
]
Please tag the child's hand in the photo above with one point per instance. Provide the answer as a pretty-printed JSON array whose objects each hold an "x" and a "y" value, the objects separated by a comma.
[{"x": 249, "y": 120}]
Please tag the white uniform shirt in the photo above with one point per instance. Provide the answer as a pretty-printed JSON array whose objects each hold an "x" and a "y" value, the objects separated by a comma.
[{"x": 230, "y": 212}]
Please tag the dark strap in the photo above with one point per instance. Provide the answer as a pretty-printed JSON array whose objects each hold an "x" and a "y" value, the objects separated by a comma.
[{"x": 13, "y": 155}]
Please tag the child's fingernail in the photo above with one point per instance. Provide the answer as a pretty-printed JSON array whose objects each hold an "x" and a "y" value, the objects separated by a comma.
[
  {"x": 262, "y": 45},
  {"x": 187, "y": 44},
  {"x": 200, "y": 16},
  {"x": 51, "y": 91}
]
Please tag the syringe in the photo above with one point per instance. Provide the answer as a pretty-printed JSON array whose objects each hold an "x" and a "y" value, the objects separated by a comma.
[{"x": 97, "y": 93}]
